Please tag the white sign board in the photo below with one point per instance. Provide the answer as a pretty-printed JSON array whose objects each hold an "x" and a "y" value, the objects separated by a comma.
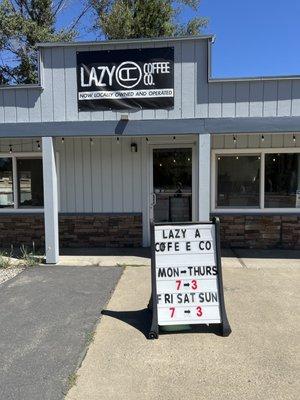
[{"x": 186, "y": 274}]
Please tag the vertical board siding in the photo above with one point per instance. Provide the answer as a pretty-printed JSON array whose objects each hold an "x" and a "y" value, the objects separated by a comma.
[
  {"x": 270, "y": 97},
  {"x": 242, "y": 99},
  {"x": 228, "y": 100},
  {"x": 296, "y": 98},
  {"x": 22, "y": 109},
  {"x": 256, "y": 99},
  {"x": 47, "y": 96},
  {"x": 137, "y": 176},
  {"x": 78, "y": 171},
  {"x": 104, "y": 176},
  {"x": 9, "y": 102},
  {"x": 195, "y": 96},
  {"x": 117, "y": 182},
  {"x": 284, "y": 96},
  {"x": 60, "y": 152},
  {"x": 58, "y": 83},
  {"x": 252, "y": 141},
  {"x": 127, "y": 178},
  {"x": 20, "y": 145},
  {"x": 215, "y": 100},
  {"x": 34, "y": 104},
  {"x": 201, "y": 79},
  {"x": 83, "y": 115},
  {"x": 71, "y": 180},
  {"x": 96, "y": 175},
  {"x": 71, "y": 112},
  {"x": 188, "y": 82},
  {"x": 106, "y": 173},
  {"x": 87, "y": 175},
  {"x": 176, "y": 111}
]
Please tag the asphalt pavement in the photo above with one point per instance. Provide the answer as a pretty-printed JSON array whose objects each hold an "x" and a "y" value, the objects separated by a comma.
[{"x": 47, "y": 317}]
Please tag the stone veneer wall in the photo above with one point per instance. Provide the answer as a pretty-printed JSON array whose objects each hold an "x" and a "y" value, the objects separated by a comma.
[
  {"x": 101, "y": 230},
  {"x": 75, "y": 230},
  {"x": 21, "y": 229},
  {"x": 125, "y": 230},
  {"x": 260, "y": 231}
]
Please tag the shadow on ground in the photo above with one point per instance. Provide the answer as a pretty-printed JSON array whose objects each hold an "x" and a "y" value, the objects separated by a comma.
[
  {"x": 141, "y": 320},
  {"x": 264, "y": 253}
]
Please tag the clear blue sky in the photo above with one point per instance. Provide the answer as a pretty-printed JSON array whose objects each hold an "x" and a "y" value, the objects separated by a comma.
[{"x": 253, "y": 37}]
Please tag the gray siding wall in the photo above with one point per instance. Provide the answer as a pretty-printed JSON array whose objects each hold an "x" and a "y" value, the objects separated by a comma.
[
  {"x": 255, "y": 141},
  {"x": 107, "y": 177},
  {"x": 20, "y": 145},
  {"x": 195, "y": 95},
  {"x": 104, "y": 176},
  {"x": 101, "y": 177}
]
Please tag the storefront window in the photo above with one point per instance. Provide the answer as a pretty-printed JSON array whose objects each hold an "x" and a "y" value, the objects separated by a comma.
[
  {"x": 6, "y": 183},
  {"x": 238, "y": 181},
  {"x": 30, "y": 182},
  {"x": 282, "y": 180}
]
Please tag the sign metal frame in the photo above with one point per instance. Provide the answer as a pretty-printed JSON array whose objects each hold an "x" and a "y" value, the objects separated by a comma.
[{"x": 222, "y": 328}]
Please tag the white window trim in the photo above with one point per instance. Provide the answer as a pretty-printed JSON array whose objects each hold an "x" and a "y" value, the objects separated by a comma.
[
  {"x": 182, "y": 145},
  {"x": 15, "y": 208},
  {"x": 246, "y": 151}
]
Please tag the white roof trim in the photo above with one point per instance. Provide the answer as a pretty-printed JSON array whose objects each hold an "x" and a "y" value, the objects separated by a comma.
[{"x": 122, "y": 41}]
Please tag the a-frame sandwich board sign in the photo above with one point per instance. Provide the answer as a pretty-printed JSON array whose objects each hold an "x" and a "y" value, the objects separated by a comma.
[{"x": 186, "y": 277}]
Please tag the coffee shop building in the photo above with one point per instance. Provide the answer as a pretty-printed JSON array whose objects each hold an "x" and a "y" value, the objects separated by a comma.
[{"x": 119, "y": 133}]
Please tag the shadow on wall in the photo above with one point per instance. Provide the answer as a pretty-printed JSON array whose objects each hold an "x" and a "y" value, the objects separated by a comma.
[{"x": 21, "y": 97}]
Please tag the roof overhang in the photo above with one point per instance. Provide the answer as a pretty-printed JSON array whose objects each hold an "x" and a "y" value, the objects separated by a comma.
[
  {"x": 126, "y": 41},
  {"x": 152, "y": 127}
]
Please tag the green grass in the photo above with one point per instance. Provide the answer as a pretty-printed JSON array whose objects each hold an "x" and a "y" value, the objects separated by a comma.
[
  {"x": 124, "y": 265},
  {"x": 29, "y": 259},
  {"x": 72, "y": 380},
  {"x": 5, "y": 260},
  {"x": 90, "y": 338},
  {"x": 20, "y": 258}
]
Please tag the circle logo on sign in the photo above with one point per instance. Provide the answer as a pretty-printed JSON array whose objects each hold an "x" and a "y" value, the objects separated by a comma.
[{"x": 128, "y": 74}]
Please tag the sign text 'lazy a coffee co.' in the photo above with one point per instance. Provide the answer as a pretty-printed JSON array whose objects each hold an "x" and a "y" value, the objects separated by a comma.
[
  {"x": 187, "y": 286},
  {"x": 126, "y": 79}
]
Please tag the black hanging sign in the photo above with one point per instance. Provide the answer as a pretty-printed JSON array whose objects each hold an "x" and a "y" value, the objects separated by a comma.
[
  {"x": 187, "y": 286},
  {"x": 125, "y": 79}
]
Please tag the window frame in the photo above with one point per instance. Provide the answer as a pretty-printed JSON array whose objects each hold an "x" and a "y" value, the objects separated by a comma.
[
  {"x": 16, "y": 208},
  {"x": 260, "y": 152}
]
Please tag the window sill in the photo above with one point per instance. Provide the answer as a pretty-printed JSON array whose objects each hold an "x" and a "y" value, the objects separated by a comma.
[
  {"x": 257, "y": 211},
  {"x": 21, "y": 210}
]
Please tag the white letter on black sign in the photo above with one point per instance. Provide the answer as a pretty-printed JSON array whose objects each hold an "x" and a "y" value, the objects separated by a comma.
[{"x": 82, "y": 78}]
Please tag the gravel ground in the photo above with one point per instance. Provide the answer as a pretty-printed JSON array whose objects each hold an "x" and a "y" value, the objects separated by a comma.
[{"x": 9, "y": 273}]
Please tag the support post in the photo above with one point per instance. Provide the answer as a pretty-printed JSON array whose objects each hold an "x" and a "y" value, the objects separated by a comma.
[
  {"x": 50, "y": 201},
  {"x": 204, "y": 167}
]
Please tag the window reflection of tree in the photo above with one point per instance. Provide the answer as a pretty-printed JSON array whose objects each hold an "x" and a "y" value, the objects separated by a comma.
[{"x": 281, "y": 180}]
